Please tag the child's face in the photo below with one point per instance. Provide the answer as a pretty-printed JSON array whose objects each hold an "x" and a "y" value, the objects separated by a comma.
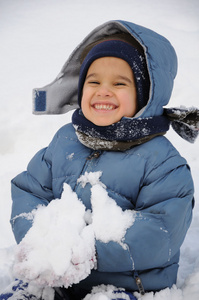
[{"x": 109, "y": 91}]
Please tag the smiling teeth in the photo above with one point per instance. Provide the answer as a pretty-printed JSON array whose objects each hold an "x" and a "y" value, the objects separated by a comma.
[{"x": 104, "y": 106}]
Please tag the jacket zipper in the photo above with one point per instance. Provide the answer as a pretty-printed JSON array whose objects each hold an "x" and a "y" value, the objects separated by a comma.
[
  {"x": 139, "y": 284},
  {"x": 95, "y": 154}
]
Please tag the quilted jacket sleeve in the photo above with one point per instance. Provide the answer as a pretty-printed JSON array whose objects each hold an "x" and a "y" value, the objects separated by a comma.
[
  {"x": 30, "y": 189},
  {"x": 163, "y": 216}
]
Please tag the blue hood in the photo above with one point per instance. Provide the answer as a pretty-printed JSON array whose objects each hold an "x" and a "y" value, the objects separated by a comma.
[
  {"x": 60, "y": 96},
  {"x": 162, "y": 66}
]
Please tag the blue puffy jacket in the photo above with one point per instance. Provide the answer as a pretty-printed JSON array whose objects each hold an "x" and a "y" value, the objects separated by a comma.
[{"x": 151, "y": 178}]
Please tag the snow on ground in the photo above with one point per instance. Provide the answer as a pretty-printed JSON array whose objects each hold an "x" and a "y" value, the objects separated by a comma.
[{"x": 36, "y": 39}]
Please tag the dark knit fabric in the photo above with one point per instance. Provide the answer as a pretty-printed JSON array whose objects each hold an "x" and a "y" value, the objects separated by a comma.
[
  {"x": 136, "y": 130},
  {"x": 127, "y": 129}
]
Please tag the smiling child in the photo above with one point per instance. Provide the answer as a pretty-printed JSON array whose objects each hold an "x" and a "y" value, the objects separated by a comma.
[{"x": 125, "y": 74}]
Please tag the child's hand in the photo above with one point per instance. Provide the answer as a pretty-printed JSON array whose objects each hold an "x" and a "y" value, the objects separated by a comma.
[
  {"x": 34, "y": 264},
  {"x": 59, "y": 249},
  {"x": 83, "y": 259}
]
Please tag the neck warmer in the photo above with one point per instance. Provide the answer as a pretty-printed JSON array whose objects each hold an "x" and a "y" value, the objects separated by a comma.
[
  {"x": 129, "y": 132},
  {"x": 120, "y": 136}
]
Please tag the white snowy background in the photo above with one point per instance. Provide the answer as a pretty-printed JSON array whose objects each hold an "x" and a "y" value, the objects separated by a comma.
[{"x": 36, "y": 38}]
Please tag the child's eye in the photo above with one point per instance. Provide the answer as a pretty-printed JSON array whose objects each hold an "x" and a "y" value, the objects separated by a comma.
[
  {"x": 120, "y": 83},
  {"x": 93, "y": 82}
]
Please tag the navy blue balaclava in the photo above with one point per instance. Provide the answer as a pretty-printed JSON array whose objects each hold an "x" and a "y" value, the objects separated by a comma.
[{"x": 127, "y": 52}]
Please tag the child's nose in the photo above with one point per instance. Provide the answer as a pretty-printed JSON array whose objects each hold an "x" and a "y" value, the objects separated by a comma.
[{"x": 104, "y": 91}]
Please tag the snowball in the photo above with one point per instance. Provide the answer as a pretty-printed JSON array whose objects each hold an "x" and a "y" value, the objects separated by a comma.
[
  {"x": 59, "y": 248},
  {"x": 109, "y": 221}
]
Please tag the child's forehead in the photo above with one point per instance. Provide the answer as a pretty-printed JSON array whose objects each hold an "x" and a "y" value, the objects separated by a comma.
[{"x": 110, "y": 69}]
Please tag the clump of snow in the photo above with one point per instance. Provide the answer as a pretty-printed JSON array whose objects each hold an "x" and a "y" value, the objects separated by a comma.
[
  {"x": 106, "y": 292},
  {"x": 107, "y": 214},
  {"x": 92, "y": 177},
  {"x": 70, "y": 156},
  {"x": 59, "y": 248},
  {"x": 167, "y": 294},
  {"x": 28, "y": 216}
]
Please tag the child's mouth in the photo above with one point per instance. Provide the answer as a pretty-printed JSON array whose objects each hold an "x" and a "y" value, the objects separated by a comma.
[{"x": 99, "y": 106}]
